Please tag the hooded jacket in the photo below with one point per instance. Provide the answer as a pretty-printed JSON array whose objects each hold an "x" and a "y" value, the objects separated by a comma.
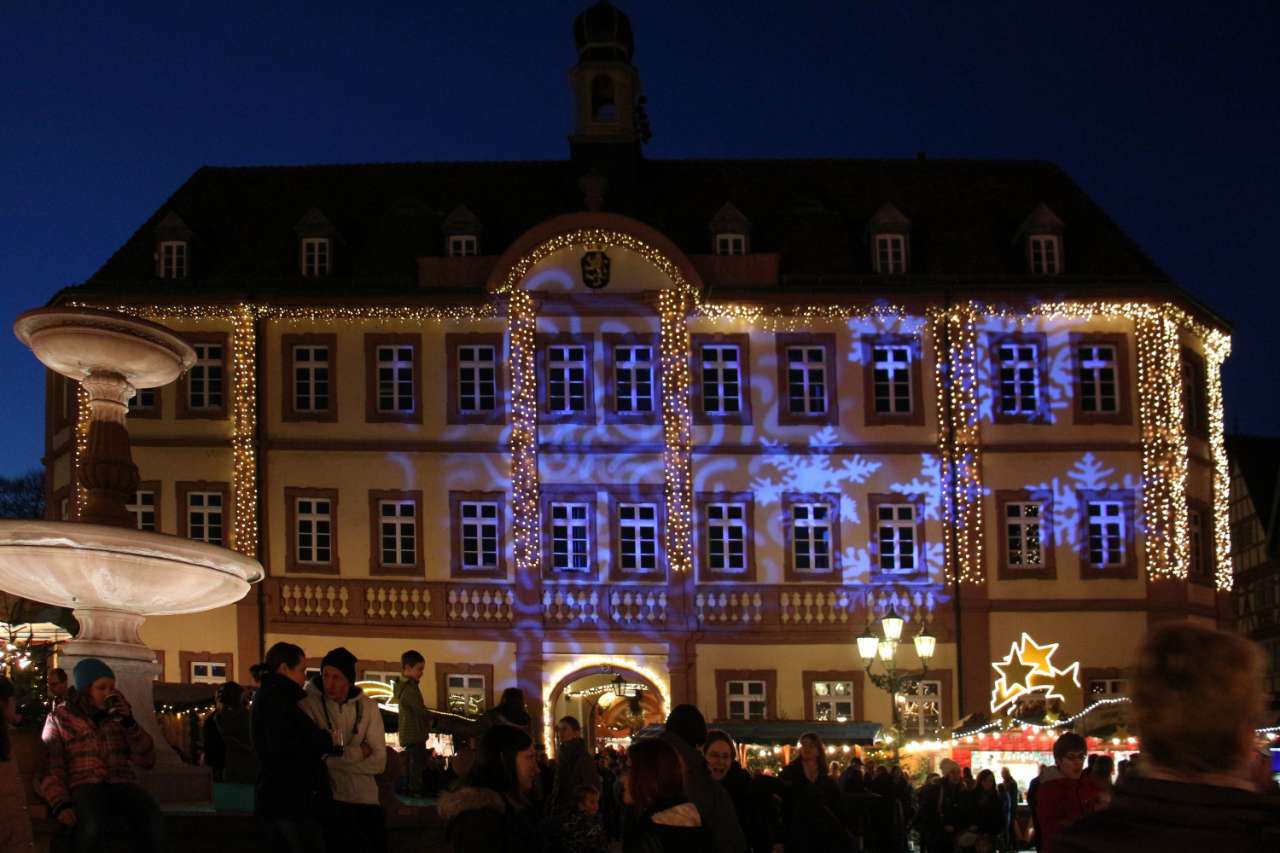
[
  {"x": 712, "y": 800},
  {"x": 358, "y": 719},
  {"x": 292, "y": 783}
]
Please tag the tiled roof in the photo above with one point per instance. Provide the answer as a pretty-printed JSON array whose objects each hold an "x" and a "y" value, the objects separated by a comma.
[{"x": 964, "y": 214}]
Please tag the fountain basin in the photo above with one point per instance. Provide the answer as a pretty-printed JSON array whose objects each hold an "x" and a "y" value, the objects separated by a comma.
[{"x": 80, "y": 342}]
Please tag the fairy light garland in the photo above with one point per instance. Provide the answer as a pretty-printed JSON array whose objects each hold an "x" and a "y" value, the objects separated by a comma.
[
  {"x": 78, "y": 451},
  {"x": 244, "y": 426},
  {"x": 522, "y": 321},
  {"x": 677, "y": 429},
  {"x": 1164, "y": 447},
  {"x": 1217, "y": 347}
]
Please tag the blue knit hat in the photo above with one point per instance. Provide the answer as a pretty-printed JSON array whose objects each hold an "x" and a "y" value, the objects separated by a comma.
[{"x": 88, "y": 671}]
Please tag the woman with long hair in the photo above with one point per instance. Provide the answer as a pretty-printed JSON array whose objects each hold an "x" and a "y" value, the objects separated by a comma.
[
  {"x": 489, "y": 812},
  {"x": 988, "y": 809},
  {"x": 15, "y": 821},
  {"x": 661, "y": 819},
  {"x": 812, "y": 808}
]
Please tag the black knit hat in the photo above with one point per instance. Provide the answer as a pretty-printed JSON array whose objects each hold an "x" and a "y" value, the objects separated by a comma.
[{"x": 343, "y": 661}]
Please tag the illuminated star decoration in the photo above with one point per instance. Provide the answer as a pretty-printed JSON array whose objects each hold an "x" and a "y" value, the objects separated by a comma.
[{"x": 1028, "y": 669}]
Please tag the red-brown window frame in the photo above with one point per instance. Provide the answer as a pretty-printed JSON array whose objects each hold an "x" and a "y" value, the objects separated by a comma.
[
  {"x": 1127, "y": 570},
  {"x": 637, "y": 493},
  {"x": 184, "y": 410},
  {"x": 376, "y": 567},
  {"x": 185, "y": 659},
  {"x": 550, "y": 493},
  {"x": 870, "y": 416},
  {"x": 874, "y": 501},
  {"x": 156, "y": 486},
  {"x": 289, "y": 412},
  {"x": 1120, "y": 341},
  {"x": 705, "y": 573},
  {"x": 612, "y": 341},
  {"x": 588, "y": 342},
  {"x": 743, "y": 343},
  {"x": 444, "y": 670},
  {"x": 827, "y": 340},
  {"x": 152, "y": 412},
  {"x": 856, "y": 676},
  {"x": 1006, "y": 572},
  {"x": 768, "y": 676},
  {"x": 1041, "y": 343},
  {"x": 291, "y": 563},
  {"x": 496, "y": 340},
  {"x": 183, "y": 487},
  {"x": 832, "y": 500},
  {"x": 371, "y": 343},
  {"x": 456, "y": 499}
]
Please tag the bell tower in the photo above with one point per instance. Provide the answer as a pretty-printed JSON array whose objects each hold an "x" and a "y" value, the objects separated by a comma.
[{"x": 606, "y": 86}]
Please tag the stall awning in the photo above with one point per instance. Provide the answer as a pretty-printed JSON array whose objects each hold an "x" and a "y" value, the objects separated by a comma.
[{"x": 789, "y": 731}]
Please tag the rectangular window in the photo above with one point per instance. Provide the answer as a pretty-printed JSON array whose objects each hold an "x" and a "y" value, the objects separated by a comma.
[
  {"x": 566, "y": 379},
  {"x": 1019, "y": 378},
  {"x": 1200, "y": 559},
  {"x": 920, "y": 710},
  {"x": 315, "y": 256},
  {"x": 205, "y": 379},
  {"x": 811, "y": 537},
  {"x": 1097, "y": 379},
  {"x": 1107, "y": 534},
  {"x": 144, "y": 400},
  {"x": 398, "y": 532},
  {"x": 204, "y": 517},
  {"x": 726, "y": 526},
  {"x": 463, "y": 245},
  {"x": 746, "y": 700},
  {"x": 807, "y": 380},
  {"x": 638, "y": 537},
  {"x": 1107, "y": 688},
  {"x": 570, "y": 536},
  {"x": 721, "y": 379},
  {"x": 896, "y": 537},
  {"x": 833, "y": 701},
  {"x": 1022, "y": 534},
  {"x": 466, "y": 694},
  {"x": 173, "y": 259},
  {"x": 477, "y": 378},
  {"x": 1195, "y": 408},
  {"x": 310, "y": 379},
  {"x": 1045, "y": 254},
  {"x": 143, "y": 509},
  {"x": 891, "y": 366},
  {"x": 891, "y": 254},
  {"x": 480, "y": 526},
  {"x": 731, "y": 244},
  {"x": 633, "y": 373},
  {"x": 313, "y": 529},
  {"x": 208, "y": 672},
  {"x": 395, "y": 379}
]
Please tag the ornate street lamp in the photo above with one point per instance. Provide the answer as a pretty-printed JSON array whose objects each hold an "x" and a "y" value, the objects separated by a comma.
[{"x": 885, "y": 648}]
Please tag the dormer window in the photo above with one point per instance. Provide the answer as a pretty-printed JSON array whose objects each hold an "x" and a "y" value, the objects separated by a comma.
[
  {"x": 1046, "y": 254},
  {"x": 463, "y": 245},
  {"x": 315, "y": 256},
  {"x": 891, "y": 254},
  {"x": 172, "y": 259},
  {"x": 731, "y": 244}
]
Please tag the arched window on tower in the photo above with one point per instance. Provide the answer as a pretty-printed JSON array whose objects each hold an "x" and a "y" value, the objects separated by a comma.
[{"x": 604, "y": 106}]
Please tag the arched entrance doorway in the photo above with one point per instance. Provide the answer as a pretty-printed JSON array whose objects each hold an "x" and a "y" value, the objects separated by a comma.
[{"x": 613, "y": 702}]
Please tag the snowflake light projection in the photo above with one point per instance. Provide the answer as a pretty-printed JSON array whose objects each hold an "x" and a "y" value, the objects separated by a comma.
[
  {"x": 813, "y": 472},
  {"x": 1087, "y": 474}
]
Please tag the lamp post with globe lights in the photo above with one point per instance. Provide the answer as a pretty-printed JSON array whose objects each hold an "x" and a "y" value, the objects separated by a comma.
[{"x": 885, "y": 648}]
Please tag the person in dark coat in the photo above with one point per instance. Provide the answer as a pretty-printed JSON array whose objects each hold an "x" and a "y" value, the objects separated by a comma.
[
  {"x": 490, "y": 812},
  {"x": 574, "y": 769},
  {"x": 811, "y": 803},
  {"x": 1009, "y": 791},
  {"x": 953, "y": 805},
  {"x": 988, "y": 808},
  {"x": 1197, "y": 695},
  {"x": 293, "y": 786},
  {"x": 228, "y": 738},
  {"x": 660, "y": 817},
  {"x": 686, "y": 732},
  {"x": 510, "y": 711},
  {"x": 753, "y": 801},
  {"x": 1066, "y": 795}
]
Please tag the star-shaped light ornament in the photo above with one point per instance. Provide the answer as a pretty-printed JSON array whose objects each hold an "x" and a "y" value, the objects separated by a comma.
[
  {"x": 1037, "y": 656},
  {"x": 1064, "y": 685},
  {"x": 1027, "y": 669}
]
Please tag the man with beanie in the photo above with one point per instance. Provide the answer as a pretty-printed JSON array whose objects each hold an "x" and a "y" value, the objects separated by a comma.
[
  {"x": 1067, "y": 795},
  {"x": 337, "y": 705},
  {"x": 92, "y": 743},
  {"x": 686, "y": 731}
]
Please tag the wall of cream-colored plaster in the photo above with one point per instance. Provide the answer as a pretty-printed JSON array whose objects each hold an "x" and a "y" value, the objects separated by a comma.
[
  {"x": 211, "y": 631},
  {"x": 1095, "y": 639}
]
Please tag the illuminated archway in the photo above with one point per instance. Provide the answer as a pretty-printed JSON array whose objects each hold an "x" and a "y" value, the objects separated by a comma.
[{"x": 556, "y": 682}]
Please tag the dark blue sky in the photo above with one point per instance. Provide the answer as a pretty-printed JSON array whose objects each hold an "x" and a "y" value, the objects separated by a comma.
[{"x": 1165, "y": 112}]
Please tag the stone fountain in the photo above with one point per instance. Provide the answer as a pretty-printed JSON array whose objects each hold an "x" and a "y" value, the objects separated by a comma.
[{"x": 111, "y": 575}]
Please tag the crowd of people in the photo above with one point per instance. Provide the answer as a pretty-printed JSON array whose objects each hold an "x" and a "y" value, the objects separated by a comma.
[{"x": 316, "y": 749}]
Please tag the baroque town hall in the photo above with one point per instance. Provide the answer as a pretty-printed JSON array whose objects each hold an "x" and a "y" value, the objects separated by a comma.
[{"x": 693, "y": 422}]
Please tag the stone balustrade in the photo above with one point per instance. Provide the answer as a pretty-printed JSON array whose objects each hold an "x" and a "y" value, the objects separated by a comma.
[
  {"x": 571, "y": 605},
  {"x": 638, "y": 606},
  {"x": 817, "y": 607},
  {"x": 730, "y": 607}
]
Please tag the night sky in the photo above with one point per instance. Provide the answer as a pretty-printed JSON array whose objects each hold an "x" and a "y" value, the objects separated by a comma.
[{"x": 1165, "y": 113}]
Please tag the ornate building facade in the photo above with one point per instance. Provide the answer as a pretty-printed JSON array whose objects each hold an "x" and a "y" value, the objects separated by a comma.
[{"x": 695, "y": 421}]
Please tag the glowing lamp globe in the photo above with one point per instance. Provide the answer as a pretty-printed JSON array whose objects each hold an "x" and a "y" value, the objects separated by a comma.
[
  {"x": 892, "y": 624},
  {"x": 925, "y": 644}
]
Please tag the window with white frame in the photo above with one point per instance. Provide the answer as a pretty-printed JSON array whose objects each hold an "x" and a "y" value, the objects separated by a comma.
[
  {"x": 566, "y": 378},
  {"x": 920, "y": 710},
  {"x": 891, "y": 375},
  {"x": 721, "y": 379},
  {"x": 385, "y": 676},
  {"x": 1022, "y": 533},
  {"x": 1099, "y": 391},
  {"x": 833, "y": 701},
  {"x": 142, "y": 399},
  {"x": 1107, "y": 536},
  {"x": 638, "y": 536},
  {"x": 731, "y": 244},
  {"x": 1019, "y": 378},
  {"x": 891, "y": 254},
  {"x": 173, "y": 259},
  {"x": 205, "y": 379},
  {"x": 143, "y": 509},
  {"x": 479, "y": 533},
  {"x": 208, "y": 672},
  {"x": 1046, "y": 251},
  {"x": 1107, "y": 688},
  {"x": 315, "y": 256},
  {"x": 633, "y": 378},
  {"x": 311, "y": 378},
  {"x": 398, "y": 530},
  {"x": 205, "y": 516},
  {"x": 570, "y": 536},
  {"x": 807, "y": 380},
  {"x": 811, "y": 537},
  {"x": 1195, "y": 532},
  {"x": 463, "y": 245},
  {"x": 726, "y": 537},
  {"x": 313, "y": 521},
  {"x": 746, "y": 700},
  {"x": 896, "y": 537},
  {"x": 395, "y": 378},
  {"x": 477, "y": 378},
  {"x": 465, "y": 694}
]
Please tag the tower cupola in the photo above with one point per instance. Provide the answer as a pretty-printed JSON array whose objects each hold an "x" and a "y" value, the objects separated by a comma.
[{"x": 606, "y": 86}]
